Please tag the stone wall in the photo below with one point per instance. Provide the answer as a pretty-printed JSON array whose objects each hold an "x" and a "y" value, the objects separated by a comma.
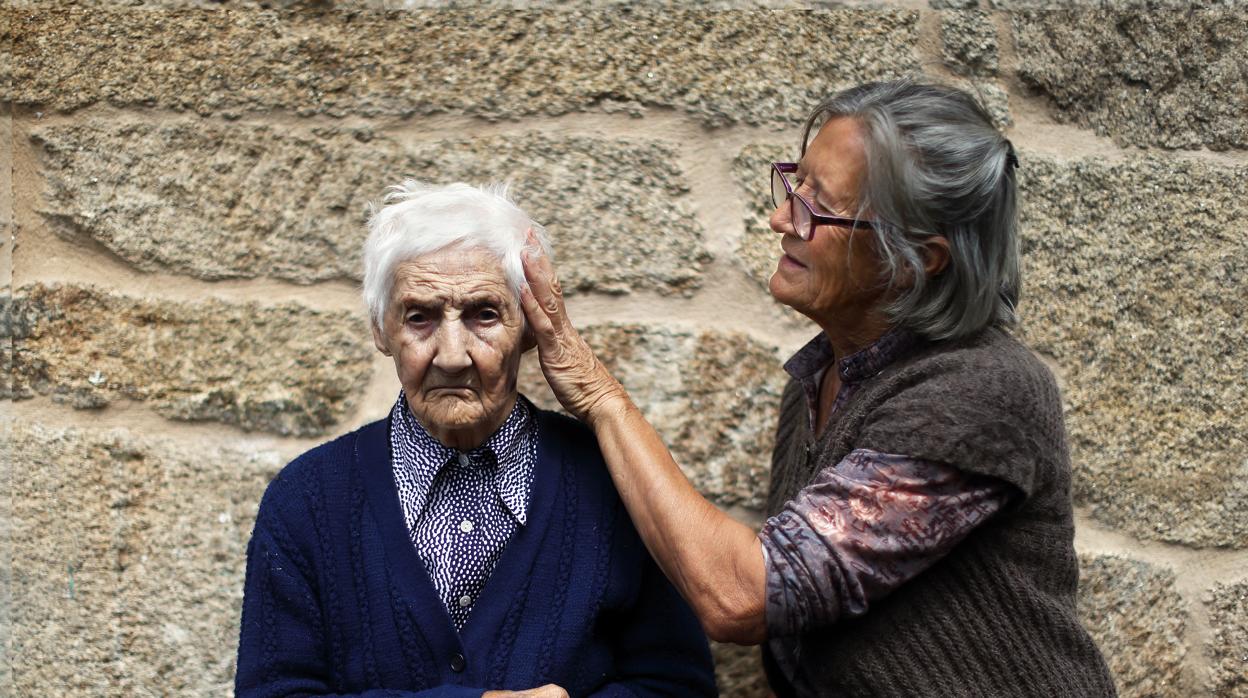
[{"x": 182, "y": 196}]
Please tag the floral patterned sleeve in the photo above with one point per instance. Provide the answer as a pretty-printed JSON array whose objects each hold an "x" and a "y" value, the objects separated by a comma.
[{"x": 862, "y": 528}]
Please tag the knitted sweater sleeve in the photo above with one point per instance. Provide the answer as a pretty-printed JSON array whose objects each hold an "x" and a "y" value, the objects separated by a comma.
[
  {"x": 660, "y": 648},
  {"x": 282, "y": 646}
]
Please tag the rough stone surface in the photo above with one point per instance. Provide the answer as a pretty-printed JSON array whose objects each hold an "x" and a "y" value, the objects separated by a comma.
[
  {"x": 718, "y": 66},
  {"x": 1228, "y": 647},
  {"x": 1137, "y": 618},
  {"x": 739, "y": 671},
  {"x": 713, "y": 397},
  {"x": 218, "y": 201},
  {"x": 995, "y": 98},
  {"x": 6, "y": 548},
  {"x": 285, "y": 368},
  {"x": 970, "y": 42},
  {"x": 129, "y": 555},
  {"x": 1170, "y": 79},
  {"x": 760, "y": 246},
  {"x": 6, "y": 175},
  {"x": 759, "y": 249},
  {"x": 471, "y": 4},
  {"x": 6, "y": 202},
  {"x": 1132, "y": 5},
  {"x": 1133, "y": 285}
]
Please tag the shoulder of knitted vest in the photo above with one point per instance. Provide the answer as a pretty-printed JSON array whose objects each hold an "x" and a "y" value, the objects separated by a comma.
[
  {"x": 792, "y": 390},
  {"x": 992, "y": 351},
  {"x": 997, "y": 372},
  {"x": 792, "y": 407}
]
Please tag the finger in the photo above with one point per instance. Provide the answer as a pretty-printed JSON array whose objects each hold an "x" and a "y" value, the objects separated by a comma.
[
  {"x": 539, "y": 321},
  {"x": 545, "y": 289},
  {"x": 540, "y": 273}
]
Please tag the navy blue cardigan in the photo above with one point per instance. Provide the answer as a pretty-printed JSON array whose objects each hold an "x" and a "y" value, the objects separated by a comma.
[{"x": 337, "y": 601}]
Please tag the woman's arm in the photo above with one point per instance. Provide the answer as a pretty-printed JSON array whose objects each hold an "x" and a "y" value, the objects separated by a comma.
[
  {"x": 715, "y": 562},
  {"x": 861, "y": 529}
]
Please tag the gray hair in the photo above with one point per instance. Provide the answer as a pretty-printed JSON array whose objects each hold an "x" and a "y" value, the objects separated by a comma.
[
  {"x": 936, "y": 166},
  {"x": 418, "y": 218}
]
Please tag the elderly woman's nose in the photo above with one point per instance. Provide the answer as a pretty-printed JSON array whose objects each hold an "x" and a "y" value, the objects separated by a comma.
[
  {"x": 780, "y": 221},
  {"x": 451, "y": 344}
]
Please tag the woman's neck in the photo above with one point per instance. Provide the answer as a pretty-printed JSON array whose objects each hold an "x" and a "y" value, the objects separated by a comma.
[{"x": 847, "y": 338}]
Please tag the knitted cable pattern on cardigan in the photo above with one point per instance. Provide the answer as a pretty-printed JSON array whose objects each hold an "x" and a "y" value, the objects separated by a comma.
[
  {"x": 994, "y": 617},
  {"x": 336, "y": 601}
]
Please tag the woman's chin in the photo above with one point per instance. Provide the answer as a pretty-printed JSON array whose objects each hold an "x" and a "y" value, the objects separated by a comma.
[{"x": 782, "y": 288}]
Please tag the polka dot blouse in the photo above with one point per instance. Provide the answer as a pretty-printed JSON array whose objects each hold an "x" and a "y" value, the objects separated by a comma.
[{"x": 461, "y": 508}]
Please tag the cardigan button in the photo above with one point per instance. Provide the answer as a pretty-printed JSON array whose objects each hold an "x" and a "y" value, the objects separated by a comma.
[{"x": 457, "y": 662}]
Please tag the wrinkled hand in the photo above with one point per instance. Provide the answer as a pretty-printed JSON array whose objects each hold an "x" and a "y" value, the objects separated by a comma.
[
  {"x": 550, "y": 690},
  {"x": 578, "y": 379}
]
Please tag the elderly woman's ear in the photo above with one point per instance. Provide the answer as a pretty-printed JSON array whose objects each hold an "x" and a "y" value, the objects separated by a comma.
[
  {"x": 935, "y": 253},
  {"x": 378, "y": 339}
]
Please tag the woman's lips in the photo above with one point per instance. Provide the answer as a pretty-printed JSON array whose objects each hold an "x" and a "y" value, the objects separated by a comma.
[
  {"x": 787, "y": 260},
  {"x": 457, "y": 389}
]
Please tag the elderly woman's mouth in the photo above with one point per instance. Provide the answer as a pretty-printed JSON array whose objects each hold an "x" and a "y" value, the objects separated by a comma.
[
  {"x": 451, "y": 390},
  {"x": 786, "y": 260}
]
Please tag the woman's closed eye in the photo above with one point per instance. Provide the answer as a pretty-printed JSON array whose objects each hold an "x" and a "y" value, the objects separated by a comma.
[{"x": 811, "y": 195}]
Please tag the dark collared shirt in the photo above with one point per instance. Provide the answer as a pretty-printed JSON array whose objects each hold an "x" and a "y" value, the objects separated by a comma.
[
  {"x": 461, "y": 508},
  {"x": 869, "y": 523}
]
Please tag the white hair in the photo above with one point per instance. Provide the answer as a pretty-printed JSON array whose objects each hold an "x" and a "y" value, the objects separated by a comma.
[{"x": 417, "y": 218}]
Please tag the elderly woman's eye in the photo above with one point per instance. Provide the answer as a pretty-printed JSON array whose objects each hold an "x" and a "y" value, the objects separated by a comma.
[
  {"x": 417, "y": 318},
  {"x": 488, "y": 314}
]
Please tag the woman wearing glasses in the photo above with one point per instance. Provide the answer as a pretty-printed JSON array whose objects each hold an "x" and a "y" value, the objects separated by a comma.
[{"x": 920, "y": 539}]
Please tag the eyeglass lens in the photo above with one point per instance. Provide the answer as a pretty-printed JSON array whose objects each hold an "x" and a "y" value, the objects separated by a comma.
[
  {"x": 778, "y": 191},
  {"x": 799, "y": 213}
]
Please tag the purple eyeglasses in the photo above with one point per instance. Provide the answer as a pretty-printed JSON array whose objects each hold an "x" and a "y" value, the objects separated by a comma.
[{"x": 804, "y": 217}]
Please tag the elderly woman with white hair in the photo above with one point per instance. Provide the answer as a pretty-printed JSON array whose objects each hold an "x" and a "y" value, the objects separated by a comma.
[
  {"x": 469, "y": 544},
  {"x": 920, "y": 539}
]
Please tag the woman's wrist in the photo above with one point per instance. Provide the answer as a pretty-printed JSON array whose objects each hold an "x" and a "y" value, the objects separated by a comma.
[{"x": 610, "y": 402}]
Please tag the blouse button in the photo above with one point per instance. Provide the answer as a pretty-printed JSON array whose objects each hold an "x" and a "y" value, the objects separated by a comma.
[
  {"x": 463, "y": 459},
  {"x": 457, "y": 662},
  {"x": 465, "y": 601},
  {"x": 465, "y": 526}
]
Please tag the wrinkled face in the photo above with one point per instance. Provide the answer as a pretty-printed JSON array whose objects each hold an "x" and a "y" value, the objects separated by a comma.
[
  {"x": 455, "y": 329},
  {"x": 834, "y": 278}
]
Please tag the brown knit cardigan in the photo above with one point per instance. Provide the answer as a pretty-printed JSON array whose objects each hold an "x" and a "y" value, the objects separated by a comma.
[{"x": 996, "y": 616}]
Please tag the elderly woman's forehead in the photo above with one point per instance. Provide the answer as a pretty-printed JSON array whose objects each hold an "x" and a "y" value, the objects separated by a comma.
[
  {"x": 452, "y": 270},
  {"x": 453, "y": 259}
]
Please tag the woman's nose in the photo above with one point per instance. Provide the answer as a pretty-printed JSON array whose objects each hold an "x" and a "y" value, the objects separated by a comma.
[
  {"x": 452, "y": 347},
  {"x": 781, "y": 221}
]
